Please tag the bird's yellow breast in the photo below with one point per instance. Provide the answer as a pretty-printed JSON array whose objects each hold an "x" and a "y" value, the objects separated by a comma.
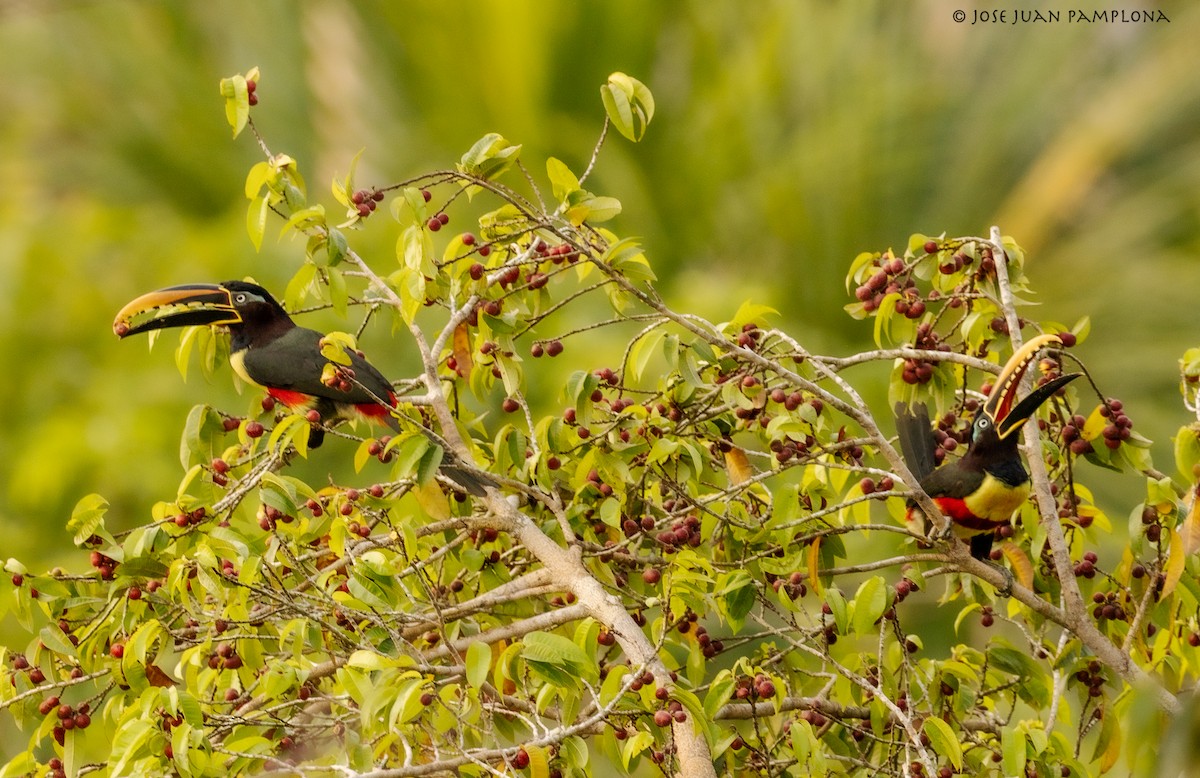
[
  {"x": 237, "y": 360},
  {"x": 996, "y": 500}
]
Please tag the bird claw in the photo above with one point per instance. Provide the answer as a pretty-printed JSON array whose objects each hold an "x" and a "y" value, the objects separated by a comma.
[{"x": 1006, "y": 590}]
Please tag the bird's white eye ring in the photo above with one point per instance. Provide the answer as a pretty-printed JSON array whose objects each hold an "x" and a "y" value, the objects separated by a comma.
[
  {"x": 241, "y": 298},
  {"x": 984, "y": 423}
]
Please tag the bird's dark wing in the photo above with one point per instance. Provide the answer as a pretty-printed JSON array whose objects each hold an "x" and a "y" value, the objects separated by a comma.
[
  {"x": 916, "y": 439},
  {"x": 295, "y": 362}
]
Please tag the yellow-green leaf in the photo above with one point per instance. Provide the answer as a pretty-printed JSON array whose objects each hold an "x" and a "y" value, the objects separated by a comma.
[
  {"x": 870, "y": 601},
  {"x": 943, "y": 740},
  {"x": 479, "y": 660},
  {"x": 1176, "y": 560}
]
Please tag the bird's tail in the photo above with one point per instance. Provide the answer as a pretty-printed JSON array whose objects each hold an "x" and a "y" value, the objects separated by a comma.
[
  {"x": 915, "y": 435},
  {"x": 454, "y": 469}
]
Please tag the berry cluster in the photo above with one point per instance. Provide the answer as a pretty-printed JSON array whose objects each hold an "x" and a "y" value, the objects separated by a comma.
[
  {"x": 794, "y": 584},
  {"x": 69, "y": 718},
  {"x": 757, "y": 687},
  {"x": 1068, "y": 507},
  {"x": 1108, "y": 607},
  {"x": 1153, "y": 522},
  {"x": 1117, "y": 430},
  {"x": 1092, "y": 677},
  {"x": 366, "y": 201},
  {"x": 1086, "y": 567},
  {"x": 341, "y": 377},
  {"x": 869, "y": 486},
  {"x": 252, "y": 92},
  {"x": 34, "y": 673},
  {"x": 682, "y": 533},
  {"x": 887, "y": 280},
  {"x": 958, "y": 260},
  {"x": 919, "y": 371}
]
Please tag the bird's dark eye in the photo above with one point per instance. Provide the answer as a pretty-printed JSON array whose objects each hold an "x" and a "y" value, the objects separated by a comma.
[{"x": 241, "y": 298}]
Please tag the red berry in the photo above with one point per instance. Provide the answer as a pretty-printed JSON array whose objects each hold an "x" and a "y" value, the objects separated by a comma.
[
  {"x": 117, "y": 650},
  {"x": 443, "y": 218},
  {"x": 18, "y": 579},
  {"x": 358, "y": 197},
  {"x": 521, "y": 759},
  {"x": 554, "y": 348},
  {"x": 425, "y": 193},
  {"x": 662, "y": 718},
  {"x": 134, "y": 593},
  {"x": 651, "y": 575},
  {"x": 931, "y": 247},
  {"x": 510, "y": 405},
  {"x": 433, "y": 224},
  {"x": 476, "y": 271},
  {"x": 254, "y": 429},
  {"x": 468, "y": 239},
  {"x": 251, "y": 86}
]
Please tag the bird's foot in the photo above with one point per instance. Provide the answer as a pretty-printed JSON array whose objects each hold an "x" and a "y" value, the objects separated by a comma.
[{"x": 1006, "y": 590}]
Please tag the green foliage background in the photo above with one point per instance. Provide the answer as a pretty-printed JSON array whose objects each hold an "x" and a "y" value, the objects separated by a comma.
[{"x": 789, "y": 136}]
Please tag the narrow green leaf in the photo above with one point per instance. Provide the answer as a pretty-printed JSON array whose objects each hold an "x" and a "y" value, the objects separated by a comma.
[{"x": 256, "y": 219}]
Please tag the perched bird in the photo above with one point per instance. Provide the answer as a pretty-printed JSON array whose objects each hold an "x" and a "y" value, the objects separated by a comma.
[
  {"x": 268, "y": 349},
  {"x": 979, "y": 491}
]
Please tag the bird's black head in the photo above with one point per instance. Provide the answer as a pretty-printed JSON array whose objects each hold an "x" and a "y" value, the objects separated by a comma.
[
  {"x": 253, "y": 304},
  {"x": 236, "y": 304}
]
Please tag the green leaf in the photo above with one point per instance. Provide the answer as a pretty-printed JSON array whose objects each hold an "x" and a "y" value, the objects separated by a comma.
[
  {"x": 1012, "y": 741},
  {"x": 870, "y": 602},
  {"x": 237, "y": 104},
  {"x": 562, "y": 180},
  {"x": 53, "y": 638},
  {"x": 489, "y": 157},
  {"x": 1187, "y": 451},
  {"x": 479, "y": 660},
  {"x": 558, "y": 652},
  {"x": 629, "y": 105},
  {"x": 87, "y": 518},
  {"x": 718, "y": 693},
  {"x": 838, "y": 609},
  {"x": 304, "y": 218},
  {"x": 256, "y": 219},
  {"x": 127, "y": 743},
  {"x": 943, "y": 740}
]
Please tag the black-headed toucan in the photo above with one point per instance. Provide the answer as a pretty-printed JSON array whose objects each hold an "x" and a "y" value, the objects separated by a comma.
[
  {"x": 979, "y": 491},
  {"x": 268, "y": 349}
]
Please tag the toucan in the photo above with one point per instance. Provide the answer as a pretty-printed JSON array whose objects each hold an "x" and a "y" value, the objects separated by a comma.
[
  {"x": 268, "y": 349},
  {"x": 979, "y": 491}
]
